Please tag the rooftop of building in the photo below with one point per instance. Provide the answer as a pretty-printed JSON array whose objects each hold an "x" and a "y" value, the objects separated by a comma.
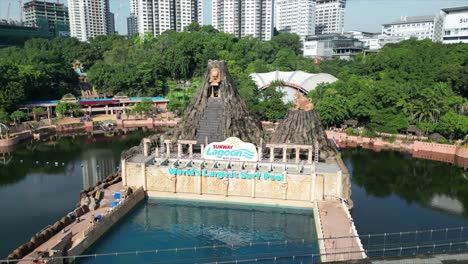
[
  {"x": 455, "y": 9},
  {"x": 326, "y": 37},
  {"x": 411, "y": 19}
]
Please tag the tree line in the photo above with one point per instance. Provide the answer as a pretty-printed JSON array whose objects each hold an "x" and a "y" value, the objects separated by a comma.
[
  {"x": 412, "y": 82},
  {"x": 409, "y": 83},
  {"x": 141, "y": 66}
]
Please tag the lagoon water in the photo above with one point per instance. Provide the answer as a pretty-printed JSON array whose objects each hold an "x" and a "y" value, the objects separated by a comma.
[
  {"x": 392, "y": 192},
  {"x": 40, "y": 182}
]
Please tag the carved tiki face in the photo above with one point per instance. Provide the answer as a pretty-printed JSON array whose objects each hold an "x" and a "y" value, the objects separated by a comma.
[{"x": 215, "y": 76}]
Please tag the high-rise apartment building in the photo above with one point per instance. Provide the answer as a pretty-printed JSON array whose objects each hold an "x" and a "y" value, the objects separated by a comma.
[
  {"x": 329, "y": 16},
  {"x": 420, "y": 27},
  {"x": 157, "y": 16},
  {"x": 244, "y": 18},
  {"x": 89, "y": 18},
  {"x": 295, "y": 16},
  {"x": 55, "y": 14},
  {"x": 132, "y": 26},
  {"x": 110, "y": 23}
]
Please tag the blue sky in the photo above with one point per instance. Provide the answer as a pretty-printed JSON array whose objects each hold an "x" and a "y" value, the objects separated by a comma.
[{"x": 365, "y": 15}]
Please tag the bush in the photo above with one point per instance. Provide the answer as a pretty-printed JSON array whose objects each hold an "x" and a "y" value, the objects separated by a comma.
[
  {"x": 351, "y": 131},
  {"x": 390, "y": 139},
  {"x": 370, "y": 133}
]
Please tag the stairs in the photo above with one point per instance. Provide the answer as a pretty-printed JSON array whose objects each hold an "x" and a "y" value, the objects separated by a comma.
[{"x": 211, "y": 123}]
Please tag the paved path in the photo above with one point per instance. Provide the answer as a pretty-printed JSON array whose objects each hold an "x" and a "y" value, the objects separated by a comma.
[
  {"x": 337, "y": 229},
  {"x": 77, "y": 228}
]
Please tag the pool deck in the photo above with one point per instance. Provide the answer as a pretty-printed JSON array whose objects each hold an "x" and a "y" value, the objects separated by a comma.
[
  {"x": 340, "y": 238},
  {"x": 79, "y": 232}
]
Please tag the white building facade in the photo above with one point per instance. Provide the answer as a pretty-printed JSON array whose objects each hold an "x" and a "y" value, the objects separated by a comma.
[
  {"x": 329, "y": 16},
  {"x": 295, "y": 16},
  {"x": 88, "y": 18},
  {"x": 157, "y": 16},
  {"x": 452, "y": 25},
  {"x": 419, "y": 27}
]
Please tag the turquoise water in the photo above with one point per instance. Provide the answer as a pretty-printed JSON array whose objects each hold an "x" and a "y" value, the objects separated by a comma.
[{"x": 181, "y": 226}]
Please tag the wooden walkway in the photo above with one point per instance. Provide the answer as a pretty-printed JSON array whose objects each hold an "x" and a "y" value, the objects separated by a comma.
[
  {"x": 339, "y": 234},
  {"x": 77, "y": 229}
]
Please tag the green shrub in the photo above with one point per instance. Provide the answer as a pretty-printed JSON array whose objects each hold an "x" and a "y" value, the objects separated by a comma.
[
  {"x": 390, "y": 139},
  {"x": 351, "y": 132}
]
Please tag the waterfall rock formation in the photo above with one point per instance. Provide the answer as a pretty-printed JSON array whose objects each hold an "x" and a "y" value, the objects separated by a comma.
[{"x": 218, "y": 111}]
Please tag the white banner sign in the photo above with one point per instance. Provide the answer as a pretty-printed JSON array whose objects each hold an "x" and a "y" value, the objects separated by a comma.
[{"x": 232, "y": 149}]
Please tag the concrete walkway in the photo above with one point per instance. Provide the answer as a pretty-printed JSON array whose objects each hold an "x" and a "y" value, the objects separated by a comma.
[
  {"x": 340, "y": 236},
  {"x": 77, "y": 229}
]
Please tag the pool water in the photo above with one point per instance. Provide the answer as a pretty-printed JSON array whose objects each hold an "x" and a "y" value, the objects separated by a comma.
[{"x": 169, "y": 231}]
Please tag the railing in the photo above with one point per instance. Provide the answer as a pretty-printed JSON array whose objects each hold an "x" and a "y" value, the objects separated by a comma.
[{"x": 377, "y": 246}]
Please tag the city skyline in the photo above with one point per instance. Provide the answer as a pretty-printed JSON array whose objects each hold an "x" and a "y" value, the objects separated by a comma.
[{"x": 363, "y": 15}]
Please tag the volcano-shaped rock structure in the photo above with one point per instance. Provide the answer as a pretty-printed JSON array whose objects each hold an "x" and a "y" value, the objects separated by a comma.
[
  {"x": 302, "y": 126},
  {"x": 218, "y": 111}
]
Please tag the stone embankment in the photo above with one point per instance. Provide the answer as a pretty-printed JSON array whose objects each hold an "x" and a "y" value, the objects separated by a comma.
[
  {"x": 416, "y": 147},
  {"x": 69, "y": 235}
]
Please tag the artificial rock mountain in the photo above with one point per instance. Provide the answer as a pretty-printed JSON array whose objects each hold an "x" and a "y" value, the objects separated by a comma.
[
  {"x": 218, "y": 111},
  {"x": 302, "y": 125}
]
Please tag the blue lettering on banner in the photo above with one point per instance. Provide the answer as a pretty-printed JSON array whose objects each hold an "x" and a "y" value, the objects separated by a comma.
[{"x": 226, "y": 174}]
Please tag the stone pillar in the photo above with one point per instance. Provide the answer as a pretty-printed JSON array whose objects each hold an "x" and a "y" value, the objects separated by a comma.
[
  {"x": 202, "y": 151},
  {"x": 309, "y": 156},
  {"x": 112, "y": 110},
  {"x": 143, "y": 175},
  {"x": 168, "y": 150},
  {"x": 298, "y": 150},
  {"x": 146, "y": 150},
  {"x": 272, "y": 154},
  {"x": 107, "y": 109},
  {"x": 89, "y": 110},
  {"x": 156, "y": 152},
  {"x": 123, "y": 172},
  {"x": 260, "y": 150},
  {"x": 339, "y": 179},
  {"x": 124, "y": 111},
  {"x": 49, "y": 114},
  {"x": 179, "y": 150},
  {"x": 285, "y": 158},
  {"x": 190, "y": 151}
]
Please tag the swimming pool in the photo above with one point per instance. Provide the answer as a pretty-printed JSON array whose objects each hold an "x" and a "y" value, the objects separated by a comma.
[{"x": 189, "y": 232}]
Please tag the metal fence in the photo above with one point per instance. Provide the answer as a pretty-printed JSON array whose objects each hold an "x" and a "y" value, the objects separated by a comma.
[{"x": 376, "y": 246}]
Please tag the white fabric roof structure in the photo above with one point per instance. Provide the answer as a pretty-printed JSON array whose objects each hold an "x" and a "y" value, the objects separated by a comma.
[
  {"x": 307, "y": 81},
  {"x": 293, "y": 81}
]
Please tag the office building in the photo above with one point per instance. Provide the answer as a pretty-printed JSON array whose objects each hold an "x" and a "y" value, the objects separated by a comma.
[
  {"x": 295, "y": 16},
  {"x": 244, "y": 18},
  {"x": 419, "y": 27},
  {"x": 55, "y": 14},
  {"x": 451, "y": 25},
  {"x": 331, "y": 46},
  {"x": 89, "y": 18},
  {"x": 329, "y": 16},
  {"x": 157, "y": 16},
  {"x": 369, "y": 40}
]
